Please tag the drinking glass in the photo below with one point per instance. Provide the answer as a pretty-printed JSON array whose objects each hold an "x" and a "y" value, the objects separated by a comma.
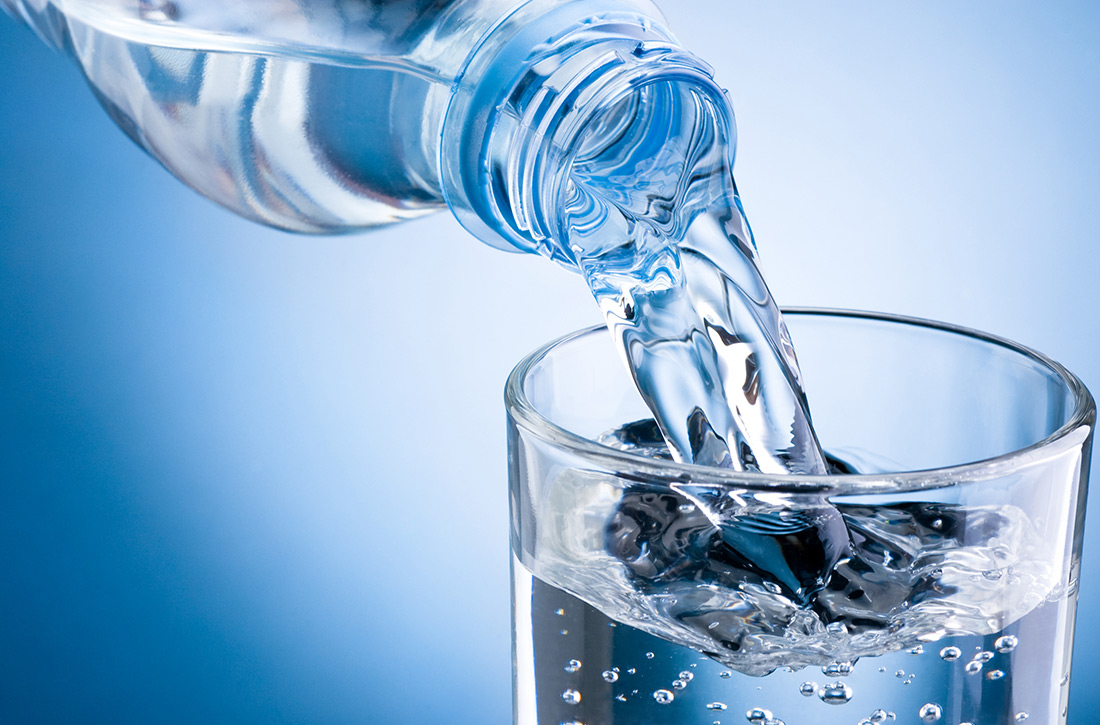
[{"x": 931, "y": 576}]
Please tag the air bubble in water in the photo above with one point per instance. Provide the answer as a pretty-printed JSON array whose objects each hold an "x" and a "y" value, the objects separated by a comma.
[
  {"x": 679, "y": 684},
  {"x": 837, "y": 693},
  {"x": 983, "y": 657},
  {"x": 631, "y": 671},
  {"x": 1005, "y": 644},
  {"x": 572, "y": 666},
  {"x": 950, "y": 654},
  {"x": 663, "y": 697},
  {"x": 837, "y": 669},
  {"x": 919, "y": 649},
  {"x": 877, "y": 716},
  {"x": 716, "y": 706},
  {"x": 758, "y": 715},
  {"x": 559, "y": 612},
  {"x": 994, "y": 674},
  {"x": 1021, "y": 716},
  {"x": 1065, "y": 680},
  {"x": 571, "y": 696},
  {"x": 610, "y": 676},
  {"x": 774, "y": 721},
  {"x": 899, "y": 674},
  {"x": 687, "y": 675},
  {"x": 808, "y": 688},
  {"x": 973, "y": 667},
  {"x": 620, "y": 697},
  {"x": 930, "y": 712},
  {"x": 686, "y": 508},
  {"x": 725, "y": 674},
  {"x": 649, "y": 655}
]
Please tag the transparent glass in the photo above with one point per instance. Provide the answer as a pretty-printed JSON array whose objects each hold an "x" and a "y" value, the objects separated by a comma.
[{"x": 938, "y": 584}]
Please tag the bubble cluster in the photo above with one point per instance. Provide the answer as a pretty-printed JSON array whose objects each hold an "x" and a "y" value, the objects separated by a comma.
[
  {"x": 837, "y": 669},
  {"x": 836, "y": 693}
]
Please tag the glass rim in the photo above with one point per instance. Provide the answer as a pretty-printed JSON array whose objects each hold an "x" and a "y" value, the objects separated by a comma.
[{"x": 1070, "y": 434}]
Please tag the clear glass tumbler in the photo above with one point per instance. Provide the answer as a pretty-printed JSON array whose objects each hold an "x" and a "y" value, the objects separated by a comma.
[{"x": 932, "y": 577}]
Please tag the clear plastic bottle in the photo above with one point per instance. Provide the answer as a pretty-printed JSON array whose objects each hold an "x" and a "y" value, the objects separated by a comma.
[{"x": 340, "y": 115}]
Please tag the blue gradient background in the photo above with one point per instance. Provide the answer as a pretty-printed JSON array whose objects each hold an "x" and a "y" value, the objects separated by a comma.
[{"x": 251, "y": 477}]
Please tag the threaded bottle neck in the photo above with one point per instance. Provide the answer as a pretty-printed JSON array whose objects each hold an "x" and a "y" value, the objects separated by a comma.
[{"x": 529, "y": 102}]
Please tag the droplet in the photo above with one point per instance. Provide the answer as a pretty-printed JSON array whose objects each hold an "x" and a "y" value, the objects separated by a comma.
[
  {"x": 663, "y": 697},
  {"x": 559, "y": 612},
  {"x": 808, "y": 688},
  {"x": 1021, "y": 716},
  {"x": 973, "y": 667},
  {"x": 950, "y": 654},
  {"x": 716, "y": 706},
  {"x": 571, "y": 696},
  {"x": 930, "y": 712},
  {"x": 919, "y": 649},
  {"x": 837, "y": 669},
  {"x": 878, "y": 716},
  {"x": 1005, "y": 644},
  {"x": 725, "y": 674},
  {"x": 572, "y": 666},
  {"x": 994, "y": 674},
  {"x": 758, "y": 715},
  {"x": 983, "y": 657},
  {"x": 649, "y": 655},
  {"x": 610, "y": 676},
  {"x": 679, "y": 684},
  {"x": 687, "y": 675},
  {"x": 837, "y": 693}
]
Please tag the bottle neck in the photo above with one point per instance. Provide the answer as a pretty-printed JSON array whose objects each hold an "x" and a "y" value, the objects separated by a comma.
[{"x": 551, "y": 81}]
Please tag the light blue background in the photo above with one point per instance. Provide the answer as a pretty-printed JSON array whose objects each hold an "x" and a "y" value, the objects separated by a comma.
[{"x": 251, "y": 477}]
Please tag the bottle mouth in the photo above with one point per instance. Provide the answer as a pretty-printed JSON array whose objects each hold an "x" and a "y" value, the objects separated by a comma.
[{"x": 554, "y": 91}]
